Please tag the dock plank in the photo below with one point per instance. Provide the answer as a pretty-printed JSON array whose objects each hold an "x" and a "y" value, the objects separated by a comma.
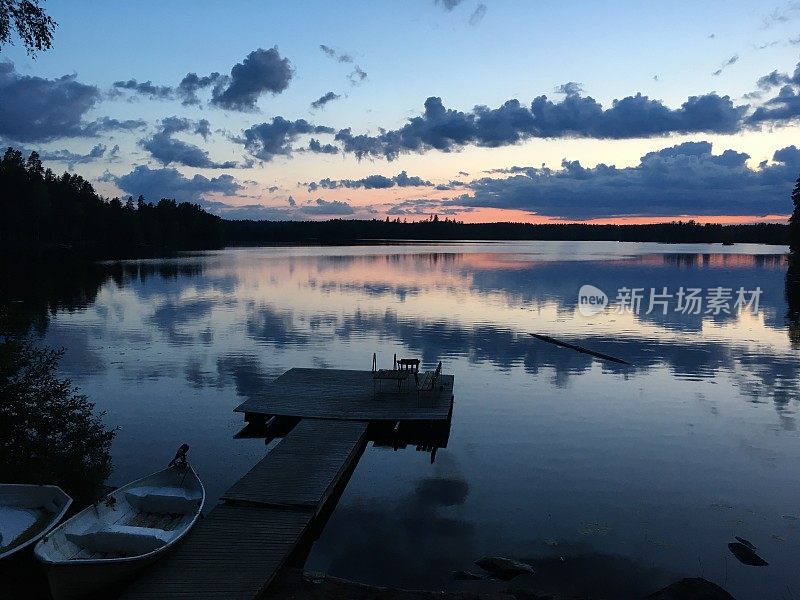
[
  {"x": 235, "y": 552},
  {"x": 349, "y": 395},
  {"x": 303, "y": 468}
]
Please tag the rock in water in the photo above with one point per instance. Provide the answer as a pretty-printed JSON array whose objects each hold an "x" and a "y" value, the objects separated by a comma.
[
  {"x": 746, "y": 555},
  {"x": 695, "y": 588},
  {"x": 503, "y": 568},
  {"x": 747, "y": 543},
  {"x": 466, "y": 576}
]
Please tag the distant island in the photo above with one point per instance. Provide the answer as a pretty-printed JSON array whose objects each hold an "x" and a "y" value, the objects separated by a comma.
[{"x": 43, "y": 214}]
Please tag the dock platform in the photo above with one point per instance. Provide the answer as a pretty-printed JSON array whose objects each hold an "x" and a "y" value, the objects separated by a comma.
[{"x": 348, "y": 395}]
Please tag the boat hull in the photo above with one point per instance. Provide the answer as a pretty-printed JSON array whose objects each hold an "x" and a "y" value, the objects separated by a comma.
[
  {"x": 77, "y": 580},
  {"x": 42, "y": 505},
  {"x": 108, "y": 543}
]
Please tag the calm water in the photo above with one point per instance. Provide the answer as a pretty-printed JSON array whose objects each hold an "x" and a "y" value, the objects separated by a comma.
[{"x": 611, "y": 479}]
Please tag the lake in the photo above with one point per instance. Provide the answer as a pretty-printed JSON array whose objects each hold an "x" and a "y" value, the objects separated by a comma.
[{"x": 611, "y": 479}]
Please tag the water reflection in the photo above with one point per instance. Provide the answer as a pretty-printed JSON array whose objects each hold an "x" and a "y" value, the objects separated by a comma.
[{"x": 543, "y": 438}]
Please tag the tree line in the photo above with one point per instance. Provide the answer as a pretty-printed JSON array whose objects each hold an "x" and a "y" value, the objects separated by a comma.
[
  {"x": 349, "y": 231},
  {"x": 44, "y": 213}
]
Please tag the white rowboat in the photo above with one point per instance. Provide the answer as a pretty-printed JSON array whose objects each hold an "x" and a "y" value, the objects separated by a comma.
[
  {"x": 115, "y": 538},
  {"x": 27, "y": 512}
]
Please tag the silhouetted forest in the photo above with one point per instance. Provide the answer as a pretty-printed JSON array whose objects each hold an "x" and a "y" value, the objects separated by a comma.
[
  {"x": 42, "y": 213},
  {"x": 348, "y": 231}
]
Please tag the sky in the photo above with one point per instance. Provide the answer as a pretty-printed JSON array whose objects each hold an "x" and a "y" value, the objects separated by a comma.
[{"x": 487, "y": 110}]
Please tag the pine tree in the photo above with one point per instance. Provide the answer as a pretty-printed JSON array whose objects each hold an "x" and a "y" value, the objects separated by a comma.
[{"x": 794, "y": 220}]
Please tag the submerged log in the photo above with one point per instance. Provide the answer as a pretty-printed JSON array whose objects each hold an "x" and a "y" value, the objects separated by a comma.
[{"x": 552, "y": 340}]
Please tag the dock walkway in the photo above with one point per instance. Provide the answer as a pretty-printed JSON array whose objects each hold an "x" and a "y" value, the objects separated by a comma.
[{"x": 237, "y": 550}]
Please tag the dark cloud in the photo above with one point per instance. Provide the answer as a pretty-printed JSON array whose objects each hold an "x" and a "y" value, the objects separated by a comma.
[
  {"x": 192, "y": 83},
  {"x": 575, "y": 116},
  {"x": 314, "y": 145},
  {"x": 146, "y": 88},
  {"x": 785, "y": 106},
  {"x": 261, "y": 72},
  {"x": 478, "y": 14},
  {"x": 417, "y": 207},
  {"x": 731, "y": 61},
  {"x": 327, "y": 207},
  {"x": 155, "y": 184},
  {"x": 683, "y": 179},
  {"x": 35, "y": 109},
  {"x": 72, "y": 158},
  {"x": 166, "y": 149},
  {"x": 324, "y": 99},
  {"x": 371, "y": 182},
  {"x": 267, "y": 140},
  {"x": 292, "y": 211}
]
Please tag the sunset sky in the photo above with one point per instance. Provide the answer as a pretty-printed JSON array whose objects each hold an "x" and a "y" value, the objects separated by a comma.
[{"x": 484, "y": 110}]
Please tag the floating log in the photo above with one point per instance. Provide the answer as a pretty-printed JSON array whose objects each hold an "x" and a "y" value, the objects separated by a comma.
[{"x": 552, "y": 340}]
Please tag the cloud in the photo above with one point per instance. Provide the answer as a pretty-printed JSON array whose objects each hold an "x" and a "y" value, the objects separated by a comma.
[
  {"x": 337, "y": 56},
  {"x": 155, "y": 184},
  {"x": 35, "y": 109},
  {"x": 765, "y": 45},
  {"x": 292, "y": 211},
  {"x": 71, "y": 158},
  {"x": 167, "y": 150},
  {"x": 782, "y": 14},
  {"x": 731, "y": 61},
  {"x": 267, "y": 140},
  {"x": 371, "y": 182},
  {"x": 357, "y": 76},
  {"x": 478, "y": 14},
  {"x": 145, "y": 88},
  {"x": 192, "y": 83},
  {"x": 574, "y": 116},
  {"x": 448, "y": 4},
  {"x": 262, "y": 71},
  {"x": 327, "y": 207},
  {"x": 323, "y": 100},
  {"x": 785, "y": 106},
  {"x": 683, "y": 179},
  {"x": 314, "y": 145}
]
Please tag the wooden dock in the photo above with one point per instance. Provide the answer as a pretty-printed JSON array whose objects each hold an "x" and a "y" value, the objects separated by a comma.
[
  {"x": 236, "y": 551},
  {"x": 349, "y": 395}
]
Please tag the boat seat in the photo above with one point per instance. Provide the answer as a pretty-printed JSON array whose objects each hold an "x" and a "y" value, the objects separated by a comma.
[
  {"x": 162, "y": 500},
  {"x": 120, "y": 539}
]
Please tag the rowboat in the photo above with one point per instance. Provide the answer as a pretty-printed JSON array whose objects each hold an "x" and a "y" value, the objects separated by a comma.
[
  {"x": 27, "y": 512},
  {"x": 110, "y": 541}
]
